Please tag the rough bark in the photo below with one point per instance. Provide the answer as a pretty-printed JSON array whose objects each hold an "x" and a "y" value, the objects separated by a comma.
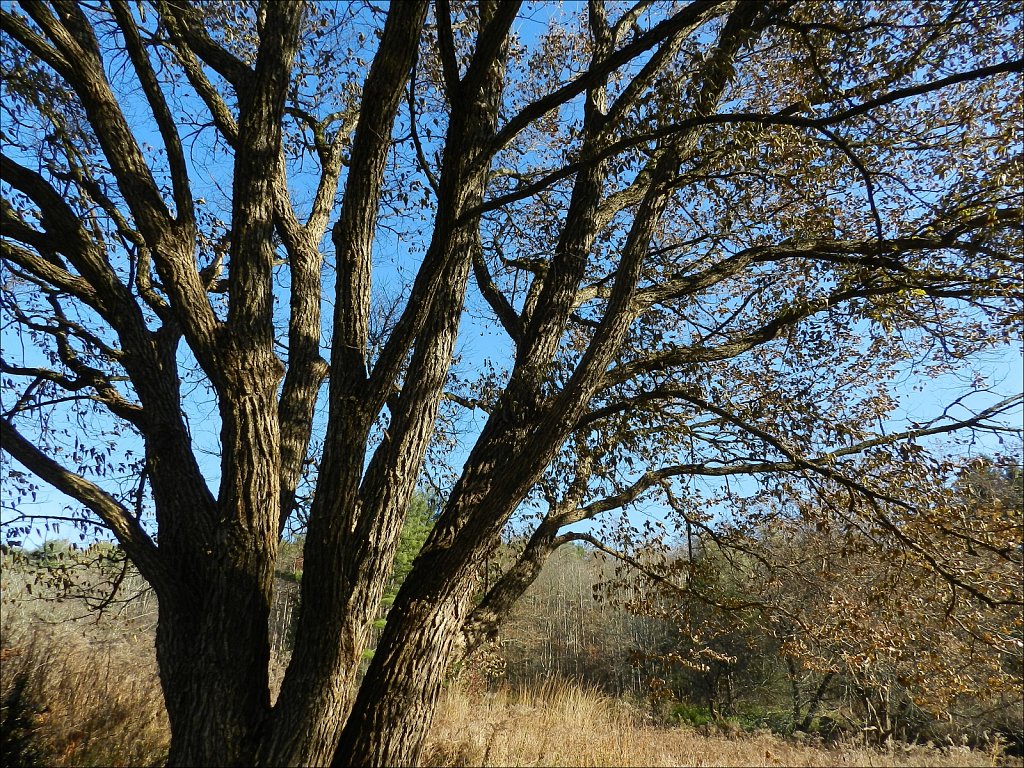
[
  {"x": 341, "y": 589},
  {"x": 218, "y": 703},
  {"x": 485, "y": 619},
  {"x": 430, "y": 625}
]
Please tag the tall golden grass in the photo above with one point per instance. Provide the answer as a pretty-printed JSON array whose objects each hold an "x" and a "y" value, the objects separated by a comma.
[
  {"x": 74, "y": 697},
  {"x": 74, "y": 700},
  {"x": 563, "y": 724}
]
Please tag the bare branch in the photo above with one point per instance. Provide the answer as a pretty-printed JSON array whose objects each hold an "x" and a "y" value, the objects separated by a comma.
[{"x": 164, "y": 119}]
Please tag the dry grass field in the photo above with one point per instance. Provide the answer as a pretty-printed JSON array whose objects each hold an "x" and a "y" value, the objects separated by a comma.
[
  {"x": 562, "y": 725},
  {"x": 77, "y": 694},
  {"x": 74, "y": 698}
]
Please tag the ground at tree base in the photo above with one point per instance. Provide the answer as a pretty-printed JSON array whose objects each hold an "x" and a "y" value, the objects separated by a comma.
[{"x": 73, "y": 697}]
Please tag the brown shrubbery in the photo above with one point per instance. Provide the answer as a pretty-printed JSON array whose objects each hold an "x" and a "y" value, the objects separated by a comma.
[{"x": 80, "y": 688}]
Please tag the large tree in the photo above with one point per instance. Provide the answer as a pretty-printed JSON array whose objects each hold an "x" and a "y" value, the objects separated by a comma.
[{"x": 703, "y": 238}]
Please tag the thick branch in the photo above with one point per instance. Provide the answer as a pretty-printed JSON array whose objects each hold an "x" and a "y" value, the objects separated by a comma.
[
  {"x": 824, "y": 463},
  {"x": 490, "y": 43},
  {"x": 65, "y": 233},
  {"x": 353, "y": 234},
  {"x": 222, "y": 117},
  {"x": 446, "y": 49},
  {"x": 261, "y": 107}
]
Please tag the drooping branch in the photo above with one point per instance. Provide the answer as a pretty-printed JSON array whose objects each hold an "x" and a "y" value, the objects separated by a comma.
[
  {"x": 828, "y": 461},
  {"x": 783, "y": 117},
  {"x": 739, "y": 342},
  {"x": 683, "y": 591},
  {"x": 85, "y": 376},
  {"x": 119, "y": 519},
  {"x": 484, "y": 621},
  {"x": 421, "y": 157},
  {"x": 979, "y": 73},
  {"x": 503, "y": 309}
]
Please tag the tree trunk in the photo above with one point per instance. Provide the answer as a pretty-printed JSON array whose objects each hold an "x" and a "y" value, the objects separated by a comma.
[
  {"x": 396, "y": 702},
  {"x": 215, "y": 699},
  {"x": 815, "y": 703},
  {"x": 794, "y": 689},
  {"x": 350, "y": 543},
  {"x": 213, "y": 643}
]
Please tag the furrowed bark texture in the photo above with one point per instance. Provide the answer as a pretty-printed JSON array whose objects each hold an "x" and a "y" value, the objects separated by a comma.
[
  {"x": 224, "y": 643},
  {"x": 342, "y": 582},
  {"x": 475, "y": 103},
  {"x": 395, "y": 704},
  {"x": 485, "y": 619}
]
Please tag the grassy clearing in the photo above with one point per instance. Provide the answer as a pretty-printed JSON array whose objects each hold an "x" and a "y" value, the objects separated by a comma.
[
  {"x": 564, "y": 725},
  {"x": 71, "y": 699}
]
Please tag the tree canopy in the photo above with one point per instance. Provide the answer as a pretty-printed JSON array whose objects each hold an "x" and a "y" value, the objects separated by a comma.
[{"x": 250, "y": 250}]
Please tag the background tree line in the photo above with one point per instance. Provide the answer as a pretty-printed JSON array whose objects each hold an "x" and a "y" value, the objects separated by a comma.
[
  {"x": 797, "y": 629},
  {"x": 828, "y": 636}
]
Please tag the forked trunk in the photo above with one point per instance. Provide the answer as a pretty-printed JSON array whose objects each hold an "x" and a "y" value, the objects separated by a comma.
[{"x": 213, "y": 644}]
